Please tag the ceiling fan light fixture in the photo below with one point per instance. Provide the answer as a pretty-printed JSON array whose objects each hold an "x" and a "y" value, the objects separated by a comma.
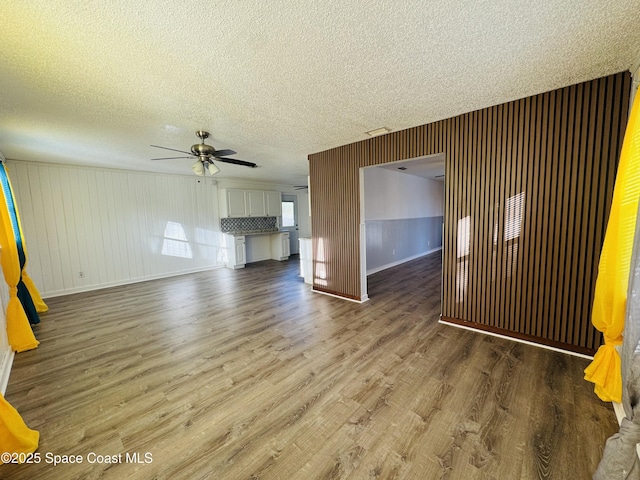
[
  {"x": 198, "y": 168},
  {"x": 204, "y": 153},
  {"x": 212, "y": 168}
]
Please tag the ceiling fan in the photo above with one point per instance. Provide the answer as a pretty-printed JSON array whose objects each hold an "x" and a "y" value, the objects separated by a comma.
[{"x": 205, "y": 155}]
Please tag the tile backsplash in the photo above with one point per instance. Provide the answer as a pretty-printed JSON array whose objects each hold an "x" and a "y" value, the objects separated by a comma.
[{"x": 248, "y": 224}]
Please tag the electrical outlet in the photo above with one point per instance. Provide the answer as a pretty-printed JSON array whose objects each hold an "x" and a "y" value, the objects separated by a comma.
[
  {"x": 81, "y": 274},
  {"x": 394, "y": 252}
]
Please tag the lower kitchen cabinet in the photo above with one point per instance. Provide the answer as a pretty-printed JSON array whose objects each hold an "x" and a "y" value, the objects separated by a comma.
[
  {"x": 280, "y": 246},
  {"x": 236, "y": 251}
]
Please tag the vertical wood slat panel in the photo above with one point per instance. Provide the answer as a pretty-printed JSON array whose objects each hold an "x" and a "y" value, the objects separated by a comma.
[
  {"x": 511, "y": 172},
  {"x": 509, "y": 192},
  {"x": 499, "y": 201},
  {"x": 476, "y": 247},
  {"x": 568, "y": 207},
  {"x": 597, "y": 227},
  {"x": 556, "y": 240},
  {"x": 515, "y": 322},
  {"x": 578, "y": 166},
  {"x": 551, "y": 185},
  {"x": 482, "y": 220},
  {"x": 522, "y": 313},
  {"x": 447, "y": 229},
  {"x": 491, "y": 213},
  {"x": 462, "y": 197},
  {"x": 475, "y": 133},
  {"x": 539, "y": 195},
  {"x": 559, "y": 149},
  {"x": 590, "y": 94}
]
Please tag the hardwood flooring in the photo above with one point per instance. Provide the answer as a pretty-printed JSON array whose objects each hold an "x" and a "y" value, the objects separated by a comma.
[{"x": 247, "y": 374}]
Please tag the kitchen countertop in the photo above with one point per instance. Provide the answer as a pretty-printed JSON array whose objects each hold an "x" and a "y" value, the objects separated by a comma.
[{"x": 252, "y": 232}]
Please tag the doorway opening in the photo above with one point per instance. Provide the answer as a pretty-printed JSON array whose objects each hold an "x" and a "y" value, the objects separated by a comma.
[
  {"x": 290, "y": 221},
  {"x": 401, "y": 213}
]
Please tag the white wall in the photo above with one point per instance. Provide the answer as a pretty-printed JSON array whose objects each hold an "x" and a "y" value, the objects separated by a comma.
[
  {"x": 257, "y": 248},
  {"x": 114, "y": 226},
  {"x": 6, "y": 354},
  {"x": 394, "y": 195},
  {"x": 304, "y": 215}
]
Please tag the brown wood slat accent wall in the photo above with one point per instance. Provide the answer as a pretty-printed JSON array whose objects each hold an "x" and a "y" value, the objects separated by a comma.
[{"x": 527, "y": 195}]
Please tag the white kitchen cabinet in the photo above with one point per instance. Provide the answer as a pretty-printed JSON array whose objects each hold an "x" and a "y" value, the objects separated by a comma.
[
  {"x": 237, "y": 203},
  {"x": 280, "y": 246},
  {"x": 236, "y": 251},
  {"x": 233, "y": 203},
  {"x": 255, "y": 203},
  {"x": 273, "y": 201}
]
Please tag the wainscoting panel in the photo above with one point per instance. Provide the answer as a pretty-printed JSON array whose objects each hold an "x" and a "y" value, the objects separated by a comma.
[
  {"x": 527, "y": 195},
  {"x": 389, "y": 242},
  {"x": 88, "y": 228}
]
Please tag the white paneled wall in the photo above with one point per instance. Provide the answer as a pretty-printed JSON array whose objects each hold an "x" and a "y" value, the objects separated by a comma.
[
  {"x": 6, "y": 354},
  {"x": 89, "y": 228}
]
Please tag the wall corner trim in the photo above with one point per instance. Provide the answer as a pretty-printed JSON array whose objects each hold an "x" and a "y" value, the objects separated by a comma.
[
  {"x": 6, "y": 361},
  {"x": 340, "y": 295}
]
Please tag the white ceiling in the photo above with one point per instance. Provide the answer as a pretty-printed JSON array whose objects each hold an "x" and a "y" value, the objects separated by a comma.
[
  {"x": 431, "y": 166},
  {"x": 96, "y": 82}
]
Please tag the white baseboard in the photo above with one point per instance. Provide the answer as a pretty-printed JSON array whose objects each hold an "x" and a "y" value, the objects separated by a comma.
[
  {"x": 5, "y": 369},
  {"x": 364, "y": 299},
  {"x": 506, "y": 337},
  {"x": 400, "y": 262},
  {"x": 100, "y": 286}
]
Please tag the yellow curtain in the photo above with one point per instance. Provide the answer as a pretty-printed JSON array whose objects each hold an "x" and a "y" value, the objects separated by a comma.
[
  {"x": 33, "y": 291},
  {"x": 19, "y": 331},
  {"x": 613, "y": 271},
  {"x": 15, "y": 436}
]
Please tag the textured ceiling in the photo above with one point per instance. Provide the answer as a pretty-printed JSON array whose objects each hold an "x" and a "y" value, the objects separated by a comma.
[
  {"x": 430, "y": 166},
  {"x": 96, "y": 82}
]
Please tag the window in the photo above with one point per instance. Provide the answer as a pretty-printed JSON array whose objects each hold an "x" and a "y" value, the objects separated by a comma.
[{"x": 288, "y": 217}]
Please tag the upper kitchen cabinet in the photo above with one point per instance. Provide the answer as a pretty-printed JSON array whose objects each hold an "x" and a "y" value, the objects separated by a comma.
[
  {"x": 273, "y": 201},
  {"x": 233, "y": 203},
  {"x": 255, "y": 203},
  {"x": 249, "y": 203}
]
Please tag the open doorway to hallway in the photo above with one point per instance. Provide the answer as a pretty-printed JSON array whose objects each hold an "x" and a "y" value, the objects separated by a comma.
[{"x": 402, "y": 211}]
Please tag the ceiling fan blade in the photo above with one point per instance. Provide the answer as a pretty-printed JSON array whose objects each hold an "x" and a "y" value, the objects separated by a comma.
[
  {"x": 237, "y": 162},
  {"x": 224, "y": 153},
  {"x": 167, "y": 148},
  {"x": 168, "y": 158}
]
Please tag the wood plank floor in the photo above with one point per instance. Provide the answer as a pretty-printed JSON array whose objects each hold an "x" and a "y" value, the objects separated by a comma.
[{"x": 247, "y": 374}]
